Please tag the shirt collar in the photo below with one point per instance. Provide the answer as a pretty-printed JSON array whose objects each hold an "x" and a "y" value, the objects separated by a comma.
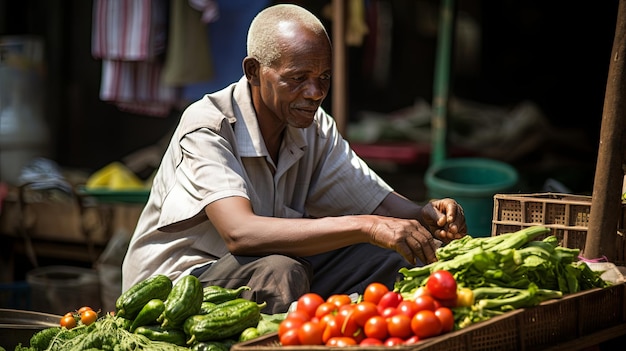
[{"x": 247, "y": 132}]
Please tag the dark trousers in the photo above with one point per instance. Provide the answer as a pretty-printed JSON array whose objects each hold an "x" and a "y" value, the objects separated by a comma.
[{"x": 279, "y": 280}]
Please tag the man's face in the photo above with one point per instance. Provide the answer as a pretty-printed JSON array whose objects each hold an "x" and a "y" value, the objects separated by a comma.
[{"x": 295, "y": 85}]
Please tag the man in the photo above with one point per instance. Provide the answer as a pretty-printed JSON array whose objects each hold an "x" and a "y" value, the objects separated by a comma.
[{"x": 258, "y": 188}]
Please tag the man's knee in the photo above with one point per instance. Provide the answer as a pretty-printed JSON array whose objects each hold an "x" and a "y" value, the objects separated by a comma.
[{"x": 282, "y": 280}]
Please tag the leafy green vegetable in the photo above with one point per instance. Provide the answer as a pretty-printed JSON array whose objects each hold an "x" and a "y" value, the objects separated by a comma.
[{"x": 510, "y": 272}]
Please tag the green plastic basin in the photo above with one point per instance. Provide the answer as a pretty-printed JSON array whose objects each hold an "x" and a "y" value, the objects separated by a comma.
[{"x": 472, "y": 182}]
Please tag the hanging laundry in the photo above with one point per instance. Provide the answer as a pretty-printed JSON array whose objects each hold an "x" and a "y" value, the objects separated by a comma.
[
  {"x": 188, "y": 52},
  {"x": 227, "y": 43},
  {"x": 130, "y": 37}
]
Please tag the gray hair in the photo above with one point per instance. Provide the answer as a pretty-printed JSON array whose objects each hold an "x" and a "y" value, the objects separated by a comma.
[{"x": 263, "y": 44}]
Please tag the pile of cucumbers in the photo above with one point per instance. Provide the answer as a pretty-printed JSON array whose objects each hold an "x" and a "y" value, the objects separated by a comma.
[{"x": 187, "y": 314}]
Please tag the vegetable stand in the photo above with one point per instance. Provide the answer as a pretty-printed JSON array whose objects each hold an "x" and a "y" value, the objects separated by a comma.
[{"x": 575, "y": 321}]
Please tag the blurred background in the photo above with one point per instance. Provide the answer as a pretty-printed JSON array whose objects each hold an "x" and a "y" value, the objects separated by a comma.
[{"x": 82, "y": 90}]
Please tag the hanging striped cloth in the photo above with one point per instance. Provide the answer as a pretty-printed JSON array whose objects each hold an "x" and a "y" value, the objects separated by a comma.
[{"x": 130, "y": 38}]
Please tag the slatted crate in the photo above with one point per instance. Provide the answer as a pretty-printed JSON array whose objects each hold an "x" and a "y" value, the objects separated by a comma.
[{"x": 566, "y": 215}]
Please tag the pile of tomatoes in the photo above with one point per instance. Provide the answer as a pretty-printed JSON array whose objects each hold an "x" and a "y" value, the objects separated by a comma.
[
  {"x": 380, "y": 317},
  {"x": 84, "y": 315}
]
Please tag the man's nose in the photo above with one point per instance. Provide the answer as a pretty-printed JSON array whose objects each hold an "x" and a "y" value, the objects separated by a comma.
[{"x": 314, "y": 90}]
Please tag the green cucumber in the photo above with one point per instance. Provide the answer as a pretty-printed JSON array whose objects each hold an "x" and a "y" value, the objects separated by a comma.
[
  {"x": 148, "y": 314},
  {"x": 183, "y": 301},
  {"x": 132, "y": 300},
  {"x": 227, "y": 320}
]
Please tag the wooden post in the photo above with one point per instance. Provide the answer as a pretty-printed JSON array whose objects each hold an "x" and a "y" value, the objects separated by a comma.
[
  {"x": 441, "y": 85},
  {"x": 339, "y": 82},
  {"x": 607, "y": 187}
]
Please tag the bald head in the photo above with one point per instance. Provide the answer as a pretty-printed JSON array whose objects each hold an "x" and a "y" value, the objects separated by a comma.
[{"x": 277, "y": 23}]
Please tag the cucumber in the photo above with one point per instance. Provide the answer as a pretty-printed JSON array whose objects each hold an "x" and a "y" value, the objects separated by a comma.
[{"x": 132, "y": 300}]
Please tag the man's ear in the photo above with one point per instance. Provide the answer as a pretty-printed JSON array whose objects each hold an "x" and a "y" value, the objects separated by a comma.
[{"x": 251, "y": 68}]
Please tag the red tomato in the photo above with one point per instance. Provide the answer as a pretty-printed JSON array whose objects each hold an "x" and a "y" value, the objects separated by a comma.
[
  {"x": 347, "y": 321},
  {"x": 389, "y": 312},
  {"x": 339, "y": 299},
  {"x": 299, "y": 315},
  {"x": 393, "y": 341},
  {"x": 309, "y": 303},
  {"x": 363, "y": 311},
  {"x": 390, "y": 299},
  {"x": 289, "y": 324},
  {"x": 290, "y": 338},
  {"x": 376, "y": 327},
  {"x": 414, "y": 339},
  {"x": 425, "y": 302},
  {"x": 408, "y": 308},
  {"x": 371, "y": 342},
  {"x": 374, "y": 291},
  {"x": 324, "y": 309},
  {"x": 426, "y": 324},
  {"x": 442, "y": 285},
  {"x": 399, "y": 326},
  {"x": 331, "y": 328},
  {"x": 446, "y": 317},
  {"x": 310, "y": 333},
  {"x": 341, "y": 341}
]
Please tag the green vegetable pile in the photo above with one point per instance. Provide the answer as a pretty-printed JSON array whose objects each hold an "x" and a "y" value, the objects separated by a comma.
[
  {"x": 506, "y": 272},
  {"x": 158, "y": 315}
]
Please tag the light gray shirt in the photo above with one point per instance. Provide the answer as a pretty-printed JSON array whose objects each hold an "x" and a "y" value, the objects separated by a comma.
[{"x": 217, "y": 151}]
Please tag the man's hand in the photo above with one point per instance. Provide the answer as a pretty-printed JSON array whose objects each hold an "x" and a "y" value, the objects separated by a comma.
[
  {"x": 445, "y": 219},
  {"x": 406, "y": 236}
]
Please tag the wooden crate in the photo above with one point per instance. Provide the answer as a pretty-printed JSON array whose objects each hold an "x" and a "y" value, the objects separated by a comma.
[
  {"x": 566, "y": 215},
  {"x": 575, "y": 321}
]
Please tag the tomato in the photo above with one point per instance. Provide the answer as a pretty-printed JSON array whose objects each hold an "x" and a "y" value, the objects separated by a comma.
[
  {"x": 308, "y": 303},
  {"x": 464, "y": 297},
  {"x": 425, "y": 302},
  {"x": 325, "y": 308},
  {"x": 345, "y": 318},
  {"x": 339, "y": 299},
  {"x": 299, "y": 315},
  {"x": 376, "y": 327},
  {"x": 399, "y": 326},
  {"x": 371, "y": 342},
  {"x": 374, "y": 292},
  {"x": 389, "y": 312},
  {"x": 414, "y": 339},
  {"x": 290, "y": 338},
  {"x": 289, "y": 324},
  {"x": 68, "y": 321},
  {"x": 390, "y": 299},
  {"x": 310, "y": 333},
  {"x": 332, "y": 328},
  {"x": 363, "y": 311},
  {"x": 446, "y": 317},
  {"x": 442, "y": 285},
  {"x": 426, "y": 324},
  {"x": 341, "y": 341},
  {"x": 83, "y": 309},
  {"x": 393, "y": 341},
  {"x": 88, "y": 316},
  {"x": 408, "y": 308}
]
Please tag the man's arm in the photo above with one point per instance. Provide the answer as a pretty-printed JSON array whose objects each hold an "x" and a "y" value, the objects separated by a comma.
[{"x": 246, "y": 233}]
